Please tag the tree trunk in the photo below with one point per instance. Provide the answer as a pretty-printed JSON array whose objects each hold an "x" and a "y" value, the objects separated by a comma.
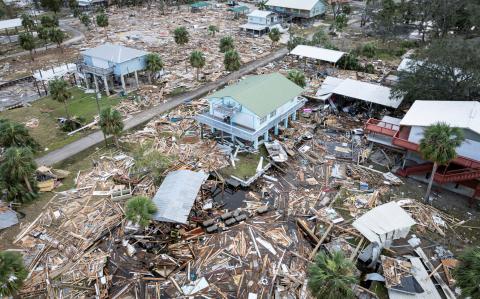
[
  {"x": 149, "y": 77},
  {"x": 115, "y": 139},
  {"x": 430, "y": 183},
  {"x": 29, "y": 187},
  {"x": 66, "y": 109},
  {"x": 198, "y": 70},
  {"x": 31, "y": 55}
]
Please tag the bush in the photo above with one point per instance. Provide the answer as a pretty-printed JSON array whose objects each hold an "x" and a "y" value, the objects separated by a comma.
[
  {"x": 369, "y": 50},
  {"x": 350, "y": 62},
  {"x": 369, "y": 68},
  {"x": 467, "y": 273},
  {"x": 295, "y": 41},
  {"x": 12, "y": 273},
  {"x": 140, "y": 210}
]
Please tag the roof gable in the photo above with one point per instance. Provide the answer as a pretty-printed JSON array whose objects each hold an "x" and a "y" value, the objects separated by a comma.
[{"x": 261, "y": 94}]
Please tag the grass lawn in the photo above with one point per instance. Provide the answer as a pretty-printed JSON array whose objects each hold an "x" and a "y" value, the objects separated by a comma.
[
  {"x": 46, "y": 110},
  {"x": 246, "y": 164}
]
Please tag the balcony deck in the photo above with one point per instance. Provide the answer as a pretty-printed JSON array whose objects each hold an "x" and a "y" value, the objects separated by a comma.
[
  {"x": 400, "y": 139},
  {"x": 244, "y": 132}
]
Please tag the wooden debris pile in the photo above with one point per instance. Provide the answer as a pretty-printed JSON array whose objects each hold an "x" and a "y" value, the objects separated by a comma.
[
  {"x": 177, "y": 135},
  {"x": 61, "y": 243}
]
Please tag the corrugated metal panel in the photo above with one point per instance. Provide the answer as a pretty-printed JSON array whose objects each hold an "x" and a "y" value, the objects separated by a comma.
[
  {"x": 367, "y": 92},
  {"x": 317, "y": 53},
  {"x": 384, "y": 224},
  {"x": 7, "y": 218},
  {"x": 176, "y": 195}
]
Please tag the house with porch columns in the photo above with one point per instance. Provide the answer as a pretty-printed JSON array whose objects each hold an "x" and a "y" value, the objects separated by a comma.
[
  {"x": 111, "y": 67},
  {"x": 248, "y": 110}
]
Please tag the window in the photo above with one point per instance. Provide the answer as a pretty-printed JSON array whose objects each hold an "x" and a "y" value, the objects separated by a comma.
[
  {"x": 263, "y": 119},
  {"x": 274, "y": 112}
]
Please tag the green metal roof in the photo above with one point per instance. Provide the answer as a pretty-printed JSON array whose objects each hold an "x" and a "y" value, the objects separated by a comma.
[
  {"x": 199, "y": 4},
  {"x": 239, "y": 9},
  {"x": 261, "y": 94}
]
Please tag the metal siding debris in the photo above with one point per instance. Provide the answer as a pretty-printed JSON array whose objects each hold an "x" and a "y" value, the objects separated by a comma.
[{"x": 176, "y": 195}]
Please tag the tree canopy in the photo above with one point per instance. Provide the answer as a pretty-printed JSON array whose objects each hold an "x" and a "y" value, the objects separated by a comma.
[
  {"x": 439, "y": 145},
  {"x": 59, "y": 92},
  {"x": 111, "y": 123},
  {"x": 212, "y": 29},
  {"x": 15, "y": 134},
  {"x": 181, "y": 36},
  {"x": 449, "y": 69},
  {"x": 226, "y": 44},
  {"x": 297, "y": 77},
  {"x": 232, "y": 61},
  {"x": 274, "y": 35},
  {"x": 197, "y": 60},
  {"x": 17, "y": 170},
  {"x": 27, "y": 42},
  {"x": 467, "y": 273},
  {"x": 154, "y": 64},
  {"x": 12, "y": 273},
  {"x": 332, "y": 277}
]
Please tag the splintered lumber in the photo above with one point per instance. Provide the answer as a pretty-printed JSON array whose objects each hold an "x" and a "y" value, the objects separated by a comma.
[
  {"x": 314, "y": 251},
  {"x": 446, "y": 290},
  {"x": 303, "y": 225}
]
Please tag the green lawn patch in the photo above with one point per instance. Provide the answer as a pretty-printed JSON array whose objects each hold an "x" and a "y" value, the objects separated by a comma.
[
  {"x": 48, "y": 133},
  {"x": 246, "y": 165}
]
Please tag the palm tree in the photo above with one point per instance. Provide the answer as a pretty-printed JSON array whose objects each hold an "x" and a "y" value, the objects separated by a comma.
[
  {"x": 154, "y": 65},
  {"x": 57, "y": 36},
  {"x": 18, "y": 165},
  {"x": 226, "y": 44},
  {"x": 27, "y": 42},
  {"x": 44, "y": 35},
  {"x": 181, "y": 37},
  {"x": 111, "y": 123},
  {"x": 262, "y": 5},
  {"x": 12, "y": 273},
  {"x": 58, "y": 89},
  {"x": 274, "y": 35},
  {"x": 332, "y": 277},
  {"x": 140, "y": 210},
  {"x": 15, "y": 134},
  {"x": 197, "y": 60},
  {"x": 27, "y": 22},
  {"x": 85, "y": 19},
  {"x": 297, "y": 77},
  {"x": 467, "y": 273},
  {"x": 102, "y": 21},
  {"x": 232, "y": 61},
  {"x": 212, "y": 29},
  {"x": 439, "y": 144}
]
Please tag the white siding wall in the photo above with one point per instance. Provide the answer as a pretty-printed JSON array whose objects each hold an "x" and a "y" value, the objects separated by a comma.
[{"x": 469, "y": 148}]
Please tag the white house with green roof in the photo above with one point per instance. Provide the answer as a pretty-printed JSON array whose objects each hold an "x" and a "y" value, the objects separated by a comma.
[{"x": 252, "y": 107}]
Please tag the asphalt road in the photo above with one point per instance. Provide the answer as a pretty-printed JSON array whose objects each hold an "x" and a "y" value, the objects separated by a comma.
[
  {"x": 95, "y": 138},
  {"x": 77, "y": 35}
]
